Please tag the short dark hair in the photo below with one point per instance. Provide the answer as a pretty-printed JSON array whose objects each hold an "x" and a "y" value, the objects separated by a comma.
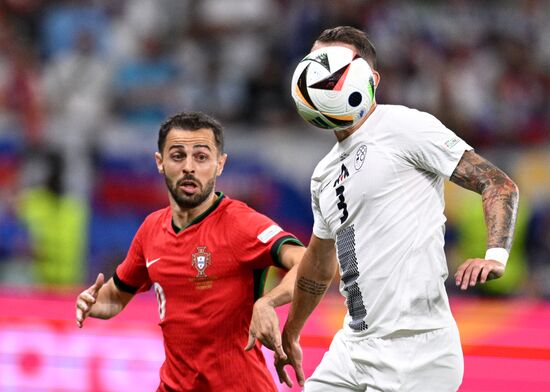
[
  {"x": 191, "y": 121},
  {"x": 352, "y": 36}
]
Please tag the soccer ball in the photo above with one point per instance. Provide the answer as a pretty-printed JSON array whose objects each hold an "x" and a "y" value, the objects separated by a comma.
[{"x": 333, "y": 88}]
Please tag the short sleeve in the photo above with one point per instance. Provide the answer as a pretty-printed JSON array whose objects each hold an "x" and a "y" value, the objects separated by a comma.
[
  {"x": 320, "y": 228},
  {"x": 260, "y": 240},
  {"x": 431, "y": 146},
  {"x": 131, "y": 275}
]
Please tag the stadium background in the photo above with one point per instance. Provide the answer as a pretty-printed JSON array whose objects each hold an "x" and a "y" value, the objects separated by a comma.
[{"x": 84, "y": 85}]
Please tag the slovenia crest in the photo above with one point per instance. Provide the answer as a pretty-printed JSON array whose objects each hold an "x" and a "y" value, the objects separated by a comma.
[
  {"x": 360, "y": 156},
  {"x": 201, "y": 260}
]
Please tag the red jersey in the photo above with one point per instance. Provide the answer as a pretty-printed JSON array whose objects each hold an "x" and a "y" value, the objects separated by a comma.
[{"x": 206, "y": 278}]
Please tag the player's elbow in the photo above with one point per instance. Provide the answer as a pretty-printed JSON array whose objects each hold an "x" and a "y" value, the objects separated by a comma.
[
  {"x": 325, "y": 268},
  {"x": 514, "y": 189},
  {"x": 320, "y": 258},
  {"x": 511, "y": 188},
  {"x": 501, "y": 185}
]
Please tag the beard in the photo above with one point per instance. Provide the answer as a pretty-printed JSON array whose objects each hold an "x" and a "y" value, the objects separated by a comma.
[{"x": 186, "y": 201}]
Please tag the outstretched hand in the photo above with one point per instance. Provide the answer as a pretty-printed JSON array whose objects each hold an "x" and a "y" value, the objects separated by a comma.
[
  {"x": 265, "y": 327},
  {"x": 87, "y": 299},
  {"x": 474, "y": 271},
  {"x": 293, "y": 357}
]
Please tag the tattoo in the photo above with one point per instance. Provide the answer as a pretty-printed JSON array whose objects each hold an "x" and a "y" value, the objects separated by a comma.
[
  {"x": 499, "y": 196},
  {"x": 311, "y": 287},
  {"x": 476, "y": 173}
]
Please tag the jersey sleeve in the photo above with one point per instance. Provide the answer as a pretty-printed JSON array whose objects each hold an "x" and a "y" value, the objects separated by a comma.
[
  {"x": 260, "y": 240},
  {"x": 432, "y": 147},
  {"x": 320, "y": 227},
  {"x": 131, "y": 275}
]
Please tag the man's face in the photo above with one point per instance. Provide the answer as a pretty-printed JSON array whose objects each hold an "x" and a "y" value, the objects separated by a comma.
[{"x": 190, "y": 163}]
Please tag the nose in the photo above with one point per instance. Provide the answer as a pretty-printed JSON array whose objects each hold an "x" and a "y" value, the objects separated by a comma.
[{"x": 188, "y": 165}]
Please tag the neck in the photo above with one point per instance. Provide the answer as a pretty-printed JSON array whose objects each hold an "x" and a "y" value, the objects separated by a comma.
[
  {"x": 184, "y": 216},
  {"x": 342, "y": 135}
]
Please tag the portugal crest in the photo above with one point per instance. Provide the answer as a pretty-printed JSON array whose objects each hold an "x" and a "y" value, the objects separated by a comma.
[{"x": 201, "y": 260}]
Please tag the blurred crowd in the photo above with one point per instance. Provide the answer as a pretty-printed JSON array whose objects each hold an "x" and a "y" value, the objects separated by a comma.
[{"x": 73, "y": 73}]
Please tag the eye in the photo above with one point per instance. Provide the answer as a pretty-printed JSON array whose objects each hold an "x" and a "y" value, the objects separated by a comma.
[
  {"x": 202, "y": 157},
  {"x": 177, "y": 156}
]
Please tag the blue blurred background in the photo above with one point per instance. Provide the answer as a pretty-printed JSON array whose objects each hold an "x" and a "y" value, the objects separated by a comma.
[{"x": 85, "y": 84}]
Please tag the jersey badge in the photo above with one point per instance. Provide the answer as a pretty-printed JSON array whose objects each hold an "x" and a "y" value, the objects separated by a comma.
[
  {"x": 452, "y": 142},
  {"x": 201, "y": 260},
  {"x": 269, "y": 233},
  {"x": 360, "y": 156}
]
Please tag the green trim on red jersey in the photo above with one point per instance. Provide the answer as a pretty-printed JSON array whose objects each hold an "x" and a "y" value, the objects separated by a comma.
[
  {"x": 201, "y": 217},
  {"x": 174, "y": 227},
  {"x": 260, "y": 276},
  {"x": 276, "y": 248}
]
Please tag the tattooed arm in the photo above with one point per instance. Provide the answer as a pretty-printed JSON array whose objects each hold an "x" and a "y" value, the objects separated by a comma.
[
  {"x": 500, "y": 198},
  {"x": 315, "y": 273}
]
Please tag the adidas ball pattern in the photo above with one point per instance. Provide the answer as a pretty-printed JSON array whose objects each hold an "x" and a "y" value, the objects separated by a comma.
[{"x": 333, "y": 88}]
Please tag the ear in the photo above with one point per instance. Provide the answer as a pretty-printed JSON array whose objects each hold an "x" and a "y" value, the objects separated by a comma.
[
  {"x": 158, "y": 160},
  {"x": 221, "y": 163},
  {"x": 376, "y": 78}
]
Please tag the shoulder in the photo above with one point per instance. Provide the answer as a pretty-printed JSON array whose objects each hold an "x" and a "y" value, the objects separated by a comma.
[
  {"x": 158, "y": 215},
  {"x": 233, "y": 206},
  {"x": 403, "y": 118},
  {"x": 404, "y": 127},
  {"x": 243, "y": 219},
  {"x": 156, "y": 219},
  {"x": 238, "y": 212}
]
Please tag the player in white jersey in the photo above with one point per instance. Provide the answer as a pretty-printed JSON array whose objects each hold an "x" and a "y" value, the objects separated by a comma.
[{"x": 377, "y": 200}]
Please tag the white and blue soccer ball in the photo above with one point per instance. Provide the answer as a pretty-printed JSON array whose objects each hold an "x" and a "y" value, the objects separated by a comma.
[{"x": 333, "y": 88}]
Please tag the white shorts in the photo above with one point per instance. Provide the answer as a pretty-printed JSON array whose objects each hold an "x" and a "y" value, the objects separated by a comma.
[{"x": 409, "y": 361}]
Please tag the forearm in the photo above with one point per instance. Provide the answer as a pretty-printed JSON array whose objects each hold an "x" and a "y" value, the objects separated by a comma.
[
  {"x": 290, "y": 256},
  {"x": 110, "y": 301},
  {"x": 314, "y": 276},
  {"x": 500, "y": 207},
  {"x": 283, "y": 292},
  {"x": 500, "y": 196}
]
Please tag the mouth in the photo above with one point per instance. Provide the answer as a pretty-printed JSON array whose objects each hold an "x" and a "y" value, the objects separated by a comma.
[{"x": 188, "y": 186}]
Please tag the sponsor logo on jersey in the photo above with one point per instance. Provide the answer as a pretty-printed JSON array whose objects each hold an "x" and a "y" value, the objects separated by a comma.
[
  {"x": 150, "y": 263},
  {"x": 269, "y": 233},
  {"x": 344, "y": 173},
  {"x": 344, "y": 156},
  {"x": 201, "y": 260},
  {"x": 360, "y": 156}
]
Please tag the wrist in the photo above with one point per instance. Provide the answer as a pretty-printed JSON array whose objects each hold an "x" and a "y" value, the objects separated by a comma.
[
  {"x": 265, "y": 300},
  {"x": 291, "y": 335},
  {"x": 497, "y": 254},
  {"x": 292, "y": 329}
]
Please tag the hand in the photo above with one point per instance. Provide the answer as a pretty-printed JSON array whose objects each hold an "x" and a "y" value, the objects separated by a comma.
[
  {"x": 473, "y": 271},
  {"x": 86, "y": 299},
  {"x": 264, "y": 326},
  {"x": 293, "y": 357}
]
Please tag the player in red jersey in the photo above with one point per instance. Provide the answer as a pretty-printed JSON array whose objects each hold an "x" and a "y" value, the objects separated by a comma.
[{"x": 206, "y": 256}]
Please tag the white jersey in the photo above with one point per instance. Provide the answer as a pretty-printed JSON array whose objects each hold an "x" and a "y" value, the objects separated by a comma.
[{"x": 379, "y": 195}]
